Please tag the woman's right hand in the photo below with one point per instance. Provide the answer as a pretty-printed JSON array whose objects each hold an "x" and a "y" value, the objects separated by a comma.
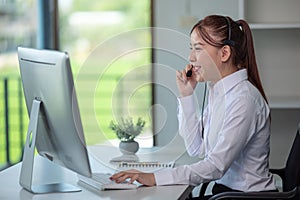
[
  {"x": 147, "y": 179},
  {"x": 186, "y": 85}
]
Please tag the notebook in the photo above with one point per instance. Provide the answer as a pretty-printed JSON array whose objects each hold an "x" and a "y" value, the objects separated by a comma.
[
  {"x": 150, "y": 166},
  {"x": 125, "y": 158}
]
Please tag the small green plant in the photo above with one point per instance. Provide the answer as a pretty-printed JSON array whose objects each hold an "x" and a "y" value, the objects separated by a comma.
[{"x": 126, "y": 130}]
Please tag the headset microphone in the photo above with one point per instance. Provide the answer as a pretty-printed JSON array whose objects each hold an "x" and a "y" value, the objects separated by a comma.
[{"x": 189, "y": 72}]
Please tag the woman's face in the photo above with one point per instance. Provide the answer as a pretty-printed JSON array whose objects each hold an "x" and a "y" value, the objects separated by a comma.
[{"x": 205, "y": 59}]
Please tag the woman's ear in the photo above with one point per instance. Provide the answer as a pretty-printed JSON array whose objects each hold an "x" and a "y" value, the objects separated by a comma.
[{"x": 225, "y": 53}]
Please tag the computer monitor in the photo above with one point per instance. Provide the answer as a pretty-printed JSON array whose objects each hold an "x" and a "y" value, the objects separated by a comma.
[{"x": 55, "y": 127}]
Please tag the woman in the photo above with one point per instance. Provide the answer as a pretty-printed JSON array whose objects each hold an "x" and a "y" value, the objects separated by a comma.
[{"x": 232, "y": 134}]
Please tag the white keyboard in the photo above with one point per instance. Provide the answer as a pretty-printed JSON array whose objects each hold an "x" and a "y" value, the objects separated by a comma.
[{"x": 101, "y": 181}]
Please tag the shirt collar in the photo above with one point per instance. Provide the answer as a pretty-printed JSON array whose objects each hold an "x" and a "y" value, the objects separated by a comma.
[{"x": 228, "y": 82}]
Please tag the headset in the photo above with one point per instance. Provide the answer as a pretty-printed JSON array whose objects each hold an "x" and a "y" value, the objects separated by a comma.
[{"x": 229, "y": 41}]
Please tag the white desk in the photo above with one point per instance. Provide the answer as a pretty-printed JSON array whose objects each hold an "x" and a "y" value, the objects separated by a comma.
[{"x": 10, "y": 188}]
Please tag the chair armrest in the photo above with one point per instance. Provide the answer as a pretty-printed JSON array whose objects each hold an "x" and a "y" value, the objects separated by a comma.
[
  {"x": 203, "y": 189},
  {"x": 279, "y": 172},
  {"x": 256, "y": 195}
]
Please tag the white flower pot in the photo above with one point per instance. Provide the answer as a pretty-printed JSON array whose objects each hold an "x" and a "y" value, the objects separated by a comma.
[{"x": 129, "y": 147}]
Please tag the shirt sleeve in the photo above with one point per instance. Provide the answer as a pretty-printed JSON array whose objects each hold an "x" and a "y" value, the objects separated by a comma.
[
  {"x": 190, "y": 126},
  {"x": 234, "y": 135}
]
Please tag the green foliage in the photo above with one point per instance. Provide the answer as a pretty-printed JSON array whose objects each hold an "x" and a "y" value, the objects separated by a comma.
[{"x": 126, "y": 130}]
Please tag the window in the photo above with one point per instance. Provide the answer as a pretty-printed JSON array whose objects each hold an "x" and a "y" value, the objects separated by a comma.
[
  {"x": 110, "y": 49},
  {"x": 18, "y": 26}
]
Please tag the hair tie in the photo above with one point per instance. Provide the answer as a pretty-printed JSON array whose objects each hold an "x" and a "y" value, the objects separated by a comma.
[{"x": 240, "y": 25}]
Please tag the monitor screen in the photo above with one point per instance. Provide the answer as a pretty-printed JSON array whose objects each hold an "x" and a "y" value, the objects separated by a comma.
[{"x": 46, "y": 77}]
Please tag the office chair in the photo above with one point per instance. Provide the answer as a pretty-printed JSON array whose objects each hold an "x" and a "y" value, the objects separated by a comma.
[{"x": 290, "y": 176}]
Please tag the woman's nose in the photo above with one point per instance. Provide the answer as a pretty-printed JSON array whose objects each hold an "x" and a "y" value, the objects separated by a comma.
[{"x": 192, "y": 57}]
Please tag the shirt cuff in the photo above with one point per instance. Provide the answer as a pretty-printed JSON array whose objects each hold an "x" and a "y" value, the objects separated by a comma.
[
  {"x": 187, "y": 104},
  {"x": 164, "y": 177}
]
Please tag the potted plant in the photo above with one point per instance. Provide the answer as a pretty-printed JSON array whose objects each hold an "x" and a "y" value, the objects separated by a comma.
[{"x": 126, "y": 131}]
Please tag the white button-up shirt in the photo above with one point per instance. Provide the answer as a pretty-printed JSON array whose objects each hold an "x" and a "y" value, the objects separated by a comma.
[{"x": 235, "y": 148}]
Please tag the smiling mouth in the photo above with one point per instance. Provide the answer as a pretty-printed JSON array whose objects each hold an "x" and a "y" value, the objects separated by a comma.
[{"x": 196, "y": 67}]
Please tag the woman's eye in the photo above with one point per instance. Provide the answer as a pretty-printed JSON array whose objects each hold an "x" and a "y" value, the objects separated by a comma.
[{"x": 195, "y": 48}]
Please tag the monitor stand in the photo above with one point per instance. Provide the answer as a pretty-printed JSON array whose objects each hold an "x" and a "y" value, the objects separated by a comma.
[{"x": 26, "y": 176}]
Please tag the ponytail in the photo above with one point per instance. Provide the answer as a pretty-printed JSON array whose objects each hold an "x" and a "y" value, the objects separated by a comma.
[{"x": 250, "y": 60}]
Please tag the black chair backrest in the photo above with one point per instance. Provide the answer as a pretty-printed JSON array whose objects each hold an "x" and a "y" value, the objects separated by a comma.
[{"x": 292, "y": 168}]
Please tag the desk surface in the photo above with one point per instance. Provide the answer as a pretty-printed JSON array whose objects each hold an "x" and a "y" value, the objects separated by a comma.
[{"x": 10, "y": 188}]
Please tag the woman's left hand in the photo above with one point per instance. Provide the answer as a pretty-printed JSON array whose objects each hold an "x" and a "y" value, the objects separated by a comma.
[
  {"x": 186, "y": 85},
  {"x": 147, "y": 179}
]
